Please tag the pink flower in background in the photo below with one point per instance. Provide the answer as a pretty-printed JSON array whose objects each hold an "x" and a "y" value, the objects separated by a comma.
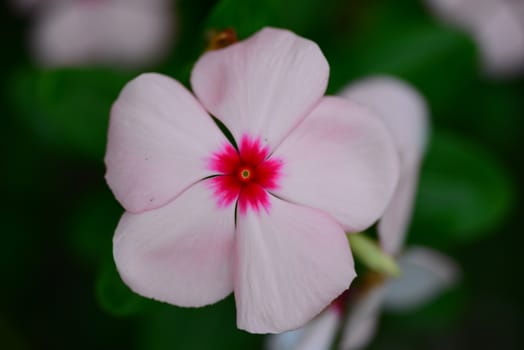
[
  {"x": 117, "y": 33},
  {"x": 264, "y": 217},
  {"x": 405, "y": 113},
  {"x": 496, "y": 25},
  {"x": 425, "y": 273}
]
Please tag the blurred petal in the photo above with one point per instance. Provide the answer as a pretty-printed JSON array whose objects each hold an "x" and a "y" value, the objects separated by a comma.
[
  {"x": 401, "y": 107},
  {"x": 362, "y": 320},
  {"x": 317, "y": 334},
  {"x": 425, "y": 274},
  {"x": 464, "y": 13},
  {"x": 501, "y": 40},
  {"x": 404, "y": 112},
  {"x": 342, "y": 160},
  {"x": 63, "y": 36},
  {"x": 135, "y": 35},
  {"x": 291, "y": 263},
  {"x": 159, "y": 142},
  {"x": 119, "y": 33},
  {"x": 393, "y": 225},
  {"x": 180, "y": 253},
  {"x": 497, "y": 26},
  {"x": 262, "y": 86}
]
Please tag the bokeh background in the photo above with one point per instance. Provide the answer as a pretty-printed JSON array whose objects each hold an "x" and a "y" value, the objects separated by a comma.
[{"x": 59, "y": 287}]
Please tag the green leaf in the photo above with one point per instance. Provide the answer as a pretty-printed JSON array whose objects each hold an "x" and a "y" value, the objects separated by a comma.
[
  {"x": 369, "y": 253},
  {"x": 464, "y": 193},
  {"x": 68, "y": 108},
  {"x": 114, "y": 296}
]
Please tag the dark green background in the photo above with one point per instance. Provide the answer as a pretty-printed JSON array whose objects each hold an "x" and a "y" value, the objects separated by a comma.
[{"x": 59, "y": 288}]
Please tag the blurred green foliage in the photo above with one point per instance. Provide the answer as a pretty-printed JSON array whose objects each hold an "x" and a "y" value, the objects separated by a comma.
[
  {"x": 60, "y": 286},
  {"x": 464, "y": 193},
  {"x": 69, "y": 108}
]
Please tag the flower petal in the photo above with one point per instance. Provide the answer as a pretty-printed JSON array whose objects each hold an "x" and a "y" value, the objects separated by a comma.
[
  {"x": 60, "y": 36},
  {"x": 317, "y": 334},
  {"x": 363, "y": 319},
  {"x": 425, "y": 274},
  {"x": 121, "y": 33},
  {"x": 180, "y": 253},
  {"x": 393, "y": 225},
  {"x": 401, "y": 107},
  {"x": 342, "y": 160},
  {"x": 501, "y": 40},
  {"x": 262, "y": 86},
  {"x": 464, "y": 13},
  {"x": 405, "y": 114},
  {"x": 134, "y": 34},
  {"x": 291, "y": 263},
  {"x": 160, "y": 142}
]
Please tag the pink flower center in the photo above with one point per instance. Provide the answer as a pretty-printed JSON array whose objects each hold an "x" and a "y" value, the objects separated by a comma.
[{"x": 245, "y": 176}]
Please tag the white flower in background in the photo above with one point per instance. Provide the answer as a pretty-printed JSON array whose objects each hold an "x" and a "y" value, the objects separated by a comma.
[
  {"x": 318, "y": 334},
  {"x": 117, "y": 33},
  {"x": 404, "y": 112},
  {"x": 496, "y": 25},
  {"x": 425, "y": 273}
]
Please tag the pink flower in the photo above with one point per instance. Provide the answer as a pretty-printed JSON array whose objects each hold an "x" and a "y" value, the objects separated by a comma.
[
  {"x": 118, "y": 33},
  {"x": 496, "y": 25},
  {"x": 405, "y": 113},
  {"x": 265, "y": 218}
]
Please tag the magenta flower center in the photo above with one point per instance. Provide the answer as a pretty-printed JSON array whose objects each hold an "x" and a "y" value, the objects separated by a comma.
[{"x": 245, "y": 176}]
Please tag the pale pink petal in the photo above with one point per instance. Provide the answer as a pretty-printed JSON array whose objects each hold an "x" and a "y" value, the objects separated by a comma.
[
  {"x": 405, "y": 114},
  {"x": 501, "y": 40},
  {"x": 463, "y": 13},
  {"x": 116, "y": 33},
  {"x": 63, "y": 36},
  {"x": 393, "y": 226},
  {"x": 290, "y": 264},
  {"x": 262, "y": 86},
  {"x": 342, "y": 160},
  {"x": 401, "y": 107},
  {"x": 160, "y": 141},
  {"x": 496, "y": 25},
  {"x": 181, "y": 253},
  {"x": 134, "y": 35},
  {"x": 425, "y": 274},
  {"x": 362, "y": 321},
  {"x": 317, "y": 334}
]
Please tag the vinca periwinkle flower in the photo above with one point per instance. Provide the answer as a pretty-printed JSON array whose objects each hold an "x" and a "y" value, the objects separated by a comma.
[{"x": 262, "y": 215}]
